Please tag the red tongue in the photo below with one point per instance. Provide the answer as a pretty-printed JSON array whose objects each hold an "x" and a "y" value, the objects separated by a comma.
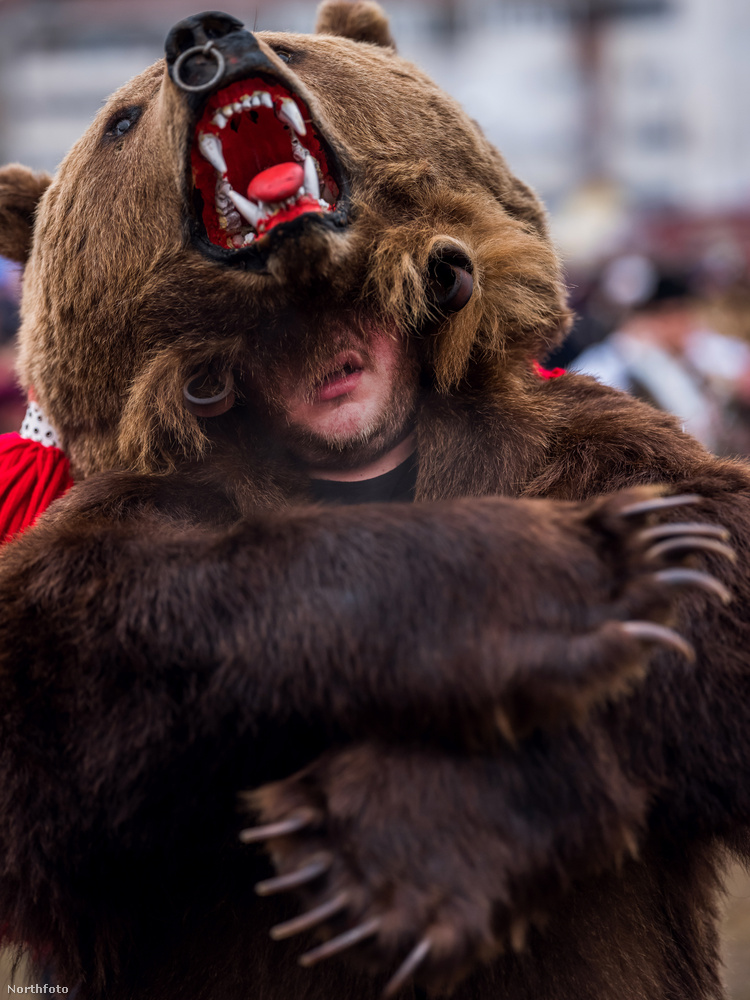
[{"x": 278, "y": 183}]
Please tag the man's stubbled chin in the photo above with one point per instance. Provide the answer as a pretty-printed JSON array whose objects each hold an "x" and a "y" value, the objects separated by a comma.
[{"x": 351, "y": 407}]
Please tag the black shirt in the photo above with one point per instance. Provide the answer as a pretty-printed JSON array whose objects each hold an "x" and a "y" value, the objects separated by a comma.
[{"x": 398, "y": 484}]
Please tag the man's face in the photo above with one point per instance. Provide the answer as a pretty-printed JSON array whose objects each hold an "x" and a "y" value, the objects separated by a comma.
[
  {"x": 673, "y": 324},
  {"x": 349, "y": 406}
]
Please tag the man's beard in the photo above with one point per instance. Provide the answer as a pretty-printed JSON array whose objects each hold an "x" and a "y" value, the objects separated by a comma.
[
  {"x": 387, "y": 426},
  {"x": 391, "y": 426}
]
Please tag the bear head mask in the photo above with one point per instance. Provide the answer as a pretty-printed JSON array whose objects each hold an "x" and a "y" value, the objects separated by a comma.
[{"x": 259, "y": 205}]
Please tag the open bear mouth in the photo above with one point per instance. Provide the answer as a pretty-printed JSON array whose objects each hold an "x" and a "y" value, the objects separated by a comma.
[{"x": 257, "y": 162}]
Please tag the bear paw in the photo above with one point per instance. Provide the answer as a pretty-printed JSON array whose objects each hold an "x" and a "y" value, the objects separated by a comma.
[
  {"x": 432, "y": 863},
  {"x": 385, "y": 902},
  {"x": 595, "y": 640}
]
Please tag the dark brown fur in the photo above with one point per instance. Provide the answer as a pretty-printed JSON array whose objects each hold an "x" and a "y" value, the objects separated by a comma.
[{"x": 487, "y": 757}]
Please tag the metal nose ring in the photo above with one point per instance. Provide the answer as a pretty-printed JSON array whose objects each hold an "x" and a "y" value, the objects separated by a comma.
[{"x": 208, "y": 48}]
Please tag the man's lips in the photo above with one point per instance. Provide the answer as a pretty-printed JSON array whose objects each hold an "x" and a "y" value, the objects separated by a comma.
[
  {"x": 343, "y": 377},
  {"x": 337, "y": 386}
]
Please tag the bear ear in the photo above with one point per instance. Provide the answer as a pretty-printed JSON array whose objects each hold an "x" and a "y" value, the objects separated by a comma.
[
  {"x": 20, "y": 191},
  {"x": 363, "y": 21}
]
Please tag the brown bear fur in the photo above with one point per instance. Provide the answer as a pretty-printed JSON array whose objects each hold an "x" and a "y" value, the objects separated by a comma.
[
  {"x": 362, "y": 22},
  {"x": 20, "y": 191},
  {"x": 444, "y": 690}
]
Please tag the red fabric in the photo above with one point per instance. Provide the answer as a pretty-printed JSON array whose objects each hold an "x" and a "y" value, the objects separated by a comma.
[
  {"x": 31, "y": 477},
  {"x": 548, "y": 372}
]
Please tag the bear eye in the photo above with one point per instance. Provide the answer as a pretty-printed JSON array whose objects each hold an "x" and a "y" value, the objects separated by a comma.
[
  {"x": 122, "y": 121},
  {"x": 284, "y": 55}
]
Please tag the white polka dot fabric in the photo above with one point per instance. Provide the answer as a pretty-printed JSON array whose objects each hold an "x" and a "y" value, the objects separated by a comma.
[{"x": 36, "y": 427}]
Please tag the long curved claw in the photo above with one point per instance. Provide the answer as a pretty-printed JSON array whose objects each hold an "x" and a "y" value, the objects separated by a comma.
[
  {"x": 652, "y": 632},
  {"x": 310, "y": 919},
  {"x": 686, "y": 542},
  {"x": 659, "y": 503},
  {"x": 681, "y": 576},
  {"x": 308, "y": 873},
  {"x": 657, "y": 531},
  {"x": 407, "y": 968},
  {"x": 338, "y": 944},
  {"x": 254, "y": 834}
]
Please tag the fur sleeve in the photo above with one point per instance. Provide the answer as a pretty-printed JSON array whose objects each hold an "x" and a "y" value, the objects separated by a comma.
[{"x": 149, "y": 668}]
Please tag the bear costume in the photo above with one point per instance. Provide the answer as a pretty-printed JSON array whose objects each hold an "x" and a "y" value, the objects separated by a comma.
[{"x": 494, "y": 741}]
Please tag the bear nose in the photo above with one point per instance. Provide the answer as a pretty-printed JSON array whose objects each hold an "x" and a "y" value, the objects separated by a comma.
[
  {"x": 199, "y": 47},
  {"x": 197, "y": 31}
]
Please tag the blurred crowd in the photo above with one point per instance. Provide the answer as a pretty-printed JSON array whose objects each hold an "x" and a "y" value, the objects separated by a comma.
[{"x": 675, "y": 336}]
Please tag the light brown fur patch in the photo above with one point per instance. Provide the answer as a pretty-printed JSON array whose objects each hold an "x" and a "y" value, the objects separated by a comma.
[{"x": 362, "y": 22}]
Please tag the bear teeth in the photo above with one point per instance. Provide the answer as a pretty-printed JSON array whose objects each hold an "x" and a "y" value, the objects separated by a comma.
[
  {"x": 256, "y": 100},
  {"x": 236, "y": 213},
  {"x": 232, "y": 207},
  {"x": 312, "y": 184},
  {"x": 298, "y": 150},
  {"x": 210, "y": 147},
  {"x": 252, "y": 212},
  {"x": 288, "y": 112}
]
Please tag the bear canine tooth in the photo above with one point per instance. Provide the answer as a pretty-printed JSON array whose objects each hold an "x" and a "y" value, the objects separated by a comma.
[
  {"x": 246, "y": 208},
  {"x": 219, "y": 119},
  {"x": 288, "y": 112},
  {"x": 265, "y": 99},
  {"x": 210, "y": 147},
  {"x": 312, "y": 184}
]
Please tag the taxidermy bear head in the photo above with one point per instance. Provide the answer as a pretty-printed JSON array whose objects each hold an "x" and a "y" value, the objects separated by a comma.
[{"x": 259, "y": 218}]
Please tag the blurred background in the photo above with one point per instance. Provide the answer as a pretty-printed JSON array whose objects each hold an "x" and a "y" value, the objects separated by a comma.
[{"x": 631, "y": 118}]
